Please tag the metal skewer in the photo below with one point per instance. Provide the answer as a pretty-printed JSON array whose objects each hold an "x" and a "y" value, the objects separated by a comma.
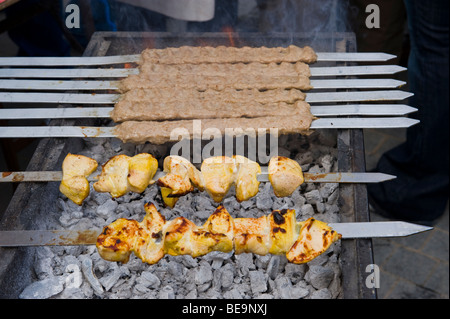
[
  {"x": 132, "y": 58},
  {"x": 88, "y": 98},
  {"x": 56, "y": 176},
  {"x": 91, "y": 132},
  {"x": 105, "y": 112},
  {"x": 18, "y": 238},
  {"x": 55, "y": 85},
  {"x": 121, "y": 73}
]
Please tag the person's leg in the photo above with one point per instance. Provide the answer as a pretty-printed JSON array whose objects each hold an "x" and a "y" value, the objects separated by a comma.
[
  {"x": 420, "y": 191},
  {"x": 389, "y": 37}
]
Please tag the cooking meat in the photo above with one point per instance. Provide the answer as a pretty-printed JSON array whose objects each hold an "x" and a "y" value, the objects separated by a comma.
[
  {"x": 220, "y": 76},
  {"x": 226, "y": 69},
  {"x": 202, "y": 109},
  {"x": 235, "y": 88},
  {"x": 229, "y": 95},
  {"x": 181, "y": 178},
  {"x": 278, "y": 233},
  {"x": 222, "y": 172},
  {"x": 74, "y": 183},
  {"x": 223, "y": 54},
  {"x": 122, "y": 174},
  {"x": 285, "y": 175},
  {"x": 160, "y": 132},
  {"x": 246, "y": 181},
  {"x": 219, "y": 175}
]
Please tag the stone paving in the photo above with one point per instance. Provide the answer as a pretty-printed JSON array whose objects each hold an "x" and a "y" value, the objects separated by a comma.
[{"x": 414, "y": 267}]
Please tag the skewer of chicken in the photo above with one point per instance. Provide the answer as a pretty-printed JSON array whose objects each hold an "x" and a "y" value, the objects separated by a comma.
[
  {"x": 154, "y": 237},
  {"x": 123, "y": 174},
  {"x": 120, "y": 175}
]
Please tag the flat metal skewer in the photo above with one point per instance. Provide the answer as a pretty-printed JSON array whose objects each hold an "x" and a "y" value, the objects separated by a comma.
[
  {"x": 56, "y": 176},
  {"x": 66, "y": 73},
  {"x": 20, "y": 238},
  {"x": 106, "y": 132},
  {"x": 91, "y": 98},
  {"x": 55, "y": 85},
  {"x": 105, "y": 112},
  {"x": 69, "y": 61},
  {"x": 132, "y": 58},
  {"x": 121, "y": 73}
]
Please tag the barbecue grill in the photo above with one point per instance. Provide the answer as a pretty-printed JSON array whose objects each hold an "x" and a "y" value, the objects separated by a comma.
[{"x": 70, "y": 128}]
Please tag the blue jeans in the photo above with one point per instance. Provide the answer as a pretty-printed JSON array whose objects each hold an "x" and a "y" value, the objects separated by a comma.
[{"x": 420, "y": 191}]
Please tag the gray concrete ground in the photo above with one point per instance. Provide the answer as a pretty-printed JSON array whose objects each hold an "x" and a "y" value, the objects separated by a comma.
[{"x": 413, "y": 267}]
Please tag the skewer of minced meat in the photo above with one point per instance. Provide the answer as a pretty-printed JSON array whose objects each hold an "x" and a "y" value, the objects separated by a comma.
[
  {"x": 202, "y": 109},
  {"x": 156, "y": 132},
  {"x": 153, "y": 95},
  {"x": 204, "y": 82},
  {"x": 154, "y": 104},
  {"x": 227, "y": 69},
  {"x": 224, "y": 54},
  {"x": 220, "y": 76}
]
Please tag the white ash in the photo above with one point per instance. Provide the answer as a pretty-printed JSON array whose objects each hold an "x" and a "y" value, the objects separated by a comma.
[{"x": 79, "y": 271}]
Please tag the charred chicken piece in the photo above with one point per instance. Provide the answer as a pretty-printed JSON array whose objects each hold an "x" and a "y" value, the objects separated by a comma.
[
  {"x": 246, "y": 182},
  {"x": 285, "y": 175},
  {"x": 277, "y": 233},
  {"x": 314, "y": 239},
  {"x": 122, "y": 174},
  {"x": 76, "y": 169},
  {"x": 181, "y": 178}
]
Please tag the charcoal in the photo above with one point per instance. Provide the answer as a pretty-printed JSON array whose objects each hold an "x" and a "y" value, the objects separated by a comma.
[
  {"x": 319, "y": 276},
  {"x": 215, "y": 275},
  {"x": 43, "y": 267},
  {"x": 313, "y": 197},
  {"x": 43, "y": 289},
  {"x": 307, "y": 211},
  {"x": 273, "y": 268},
  {"x": 258, "y": 281},
  {"x": 233, "y": 294},
  {"x": 148, "y": 280},
  {"x": 203, "y": 273},
  {"x": 264, "y": 296},
  {"x": 295, "y": 272},
  {"x": 298, "y": 293},
  {"x": 166, "y": 292},
  {"x": 227, "y": 276},
  {"x": 323, "y": 293},
  {"x": 86, "y": 267},
  {"x": 107, "y": 209}
]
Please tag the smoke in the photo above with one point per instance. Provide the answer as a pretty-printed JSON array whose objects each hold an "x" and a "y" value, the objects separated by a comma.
[
  {"x": 312, "y": 17},
  {"x": 304, "y": 15}
]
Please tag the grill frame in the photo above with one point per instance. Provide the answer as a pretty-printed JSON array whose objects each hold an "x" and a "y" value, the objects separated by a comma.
[{"x": 32, "y": 203}]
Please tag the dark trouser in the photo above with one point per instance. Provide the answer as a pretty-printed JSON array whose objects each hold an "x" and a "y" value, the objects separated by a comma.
[{"x": 421, "y": 164}]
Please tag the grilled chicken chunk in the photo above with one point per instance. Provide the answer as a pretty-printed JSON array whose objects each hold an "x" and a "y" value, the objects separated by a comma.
[
  {"x": 285, "y": 175},
  {"x": 181, "y": 178},
  {"x": 246, "y": 181},
  {"x": 122, "y": 174},
  {"x": 76, "y": 169},
  {"x": 314, "y": 239},
  {"x": 222, "y": 172},
  {"x": 219, "y": 173},
  {"x": 277, "y": 233}
]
